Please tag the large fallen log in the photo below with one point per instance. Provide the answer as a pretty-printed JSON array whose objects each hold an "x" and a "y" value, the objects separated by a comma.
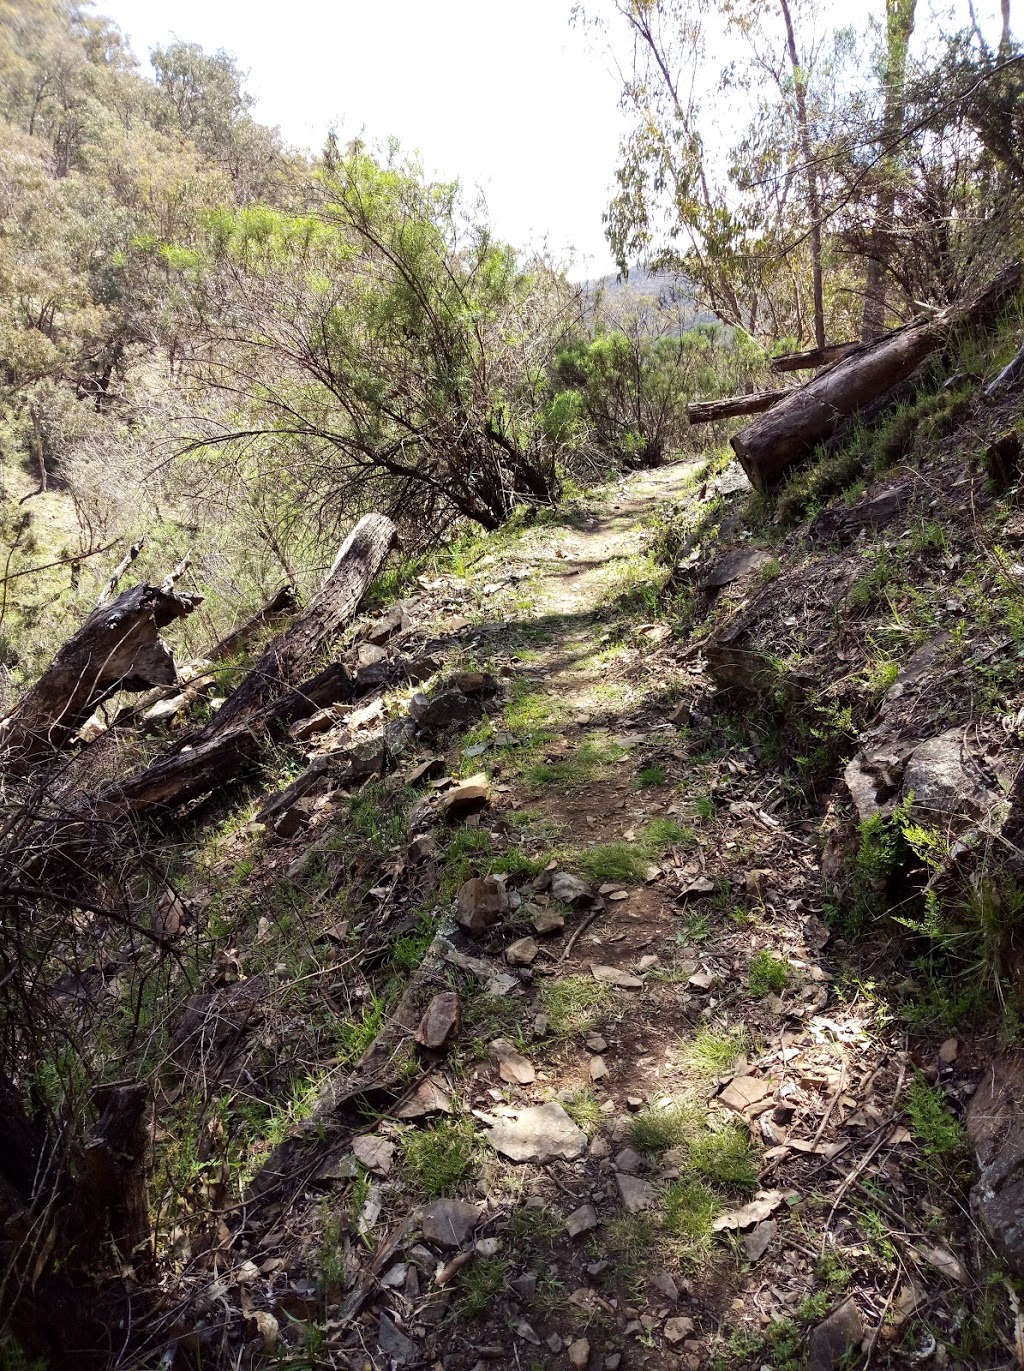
[
  {"x": 119, "y": 647},
  {"x": 708, "y": 411},
  {"x": 813, "y": 358},
  {"x": 813, "y": 412},
  {"x": 272, "y": 696},
  {"x": 288, "y": 659}
]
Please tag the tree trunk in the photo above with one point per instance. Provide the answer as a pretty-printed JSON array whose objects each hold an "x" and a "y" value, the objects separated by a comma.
[
  {"x": 899, "y": 27},
  {"x": 117, "y": 648},
  {"x": 814, "y": 411},
  {"x": 707, "y": 411},
  {"x": 807, "y": 153}
]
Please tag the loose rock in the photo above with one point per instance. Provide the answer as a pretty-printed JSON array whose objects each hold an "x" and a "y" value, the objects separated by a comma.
[
  {"x": 547, "y": 921},
  {"x": 540, "y": 1133},
  {"x": 837, "y": 1335},
  {"x": 579, "y": 1354},
  {"x": 570, "y": 889},
  {"x": 613, "y": 975},
  {"x": 581, "y": 1220},
  {"x": 448, "y": 1223},
  {"x": 482, "y": 902},
  {"x": 466, "y": 798},
  {"x": 394, "y": 1345},
  {"x": 374, "y": 1152},
  {"x": 636, "y": 1195},
  {"x": 440, "y": 1023},
  {"x": 512, "y": 1065},
  {"x": 523, "y": 952},
  {"x": 678, "y": 1328}
]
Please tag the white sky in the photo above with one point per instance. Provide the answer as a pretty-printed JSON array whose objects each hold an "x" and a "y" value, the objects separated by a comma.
[{"x": 508, "y": 98}]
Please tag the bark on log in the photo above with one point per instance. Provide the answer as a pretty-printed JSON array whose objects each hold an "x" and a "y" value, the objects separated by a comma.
[
  {"x": 707, "y": 411},
  {"x": 1010, "y": 373},
  {"x": 214, "y": 758},
  {"x": 814, "y": 411},
  {"x": 117, "y": 648},
  {"x": 109, "y": 1221},
  {"x": 813, "y": 358}
]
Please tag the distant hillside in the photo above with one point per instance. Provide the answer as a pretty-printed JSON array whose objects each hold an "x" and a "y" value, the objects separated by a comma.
[{"x": 662, "y": 296}]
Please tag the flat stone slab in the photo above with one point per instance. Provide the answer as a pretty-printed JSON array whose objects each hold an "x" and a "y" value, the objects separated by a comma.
[
  {"x": 636, "y": 1195},
  {"x": 540, "y": 1133},
  {"x": 614, "y": 975},
  {"x": 743, "y": 1092},
  {"x": 512, "y": 1065},
  {"x": 376, "y": 1154},
  {"x": 581, "y": 1220},
  {"x": 833, "y": 1338},
  {"x": 448, "y": 1223}
]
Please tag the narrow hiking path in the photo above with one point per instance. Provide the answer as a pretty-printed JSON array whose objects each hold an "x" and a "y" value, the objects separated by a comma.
[
  {"x": 654, "y": 1121},
  {"x": 680, "y": 1014}
]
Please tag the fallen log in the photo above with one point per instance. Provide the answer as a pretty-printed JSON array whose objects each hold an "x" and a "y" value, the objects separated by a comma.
[
  {"x": 707, "y": 411},
  {"x": 119, "y": 647},
  {"x": 1010, "y": 373},
  {"x": 813, "y": 412},
  {"x": 288, "y": 659},
  {"x": 272, "y": 697},
  {"x": 813, "y": 358}
]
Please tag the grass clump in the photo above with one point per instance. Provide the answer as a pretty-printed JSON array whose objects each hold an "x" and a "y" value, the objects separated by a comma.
[
  {"x": 656, "y": 1130},
  {"x": 534, "y": 1229},
  {"x": 480, "y": 1283},
  {"x": 435, "y": 1161},
  {"x": 690, "y": 1209},
  {"x": 528, "y": 712},
  {"x": 725, "y": 1159},
  {"x": 584, "y": 1108},
  {"x": 615, "y": 861},
  {"x": 650, "y": 776},
  {"x": 628, "y": 862},
  {"x": 714, "y": 1050},
  {"x": 767, "y": 974},
  {"x": 584, "y": 764},
  {"x": 576, "y": 1004}
]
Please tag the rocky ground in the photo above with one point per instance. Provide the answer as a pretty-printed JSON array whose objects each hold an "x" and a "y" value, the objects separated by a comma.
[{"x": 572, "y": 1009}]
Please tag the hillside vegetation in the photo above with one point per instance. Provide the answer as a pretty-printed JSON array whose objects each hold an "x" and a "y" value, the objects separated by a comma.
[{"x": 490, "y": 869}]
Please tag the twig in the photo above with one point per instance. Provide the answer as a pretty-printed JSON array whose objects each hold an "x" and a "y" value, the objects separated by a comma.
[{"x": 582, "y": 929}]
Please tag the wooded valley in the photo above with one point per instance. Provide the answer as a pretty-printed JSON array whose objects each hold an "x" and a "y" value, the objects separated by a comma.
[{"x": 513, "y": 787}]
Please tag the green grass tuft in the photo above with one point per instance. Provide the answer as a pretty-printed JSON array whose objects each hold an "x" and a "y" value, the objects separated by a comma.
[
  {"x": 656, "y": 1130},
  {"x": 725, "y": 1159},
  {"x": 714, "y": 1050},
  {"x": 435, "y": 1161},
  {"x": 576, "y": 1004},
  {"x": 690, "y": 1208},
  {"x": 767, "y": 974}
]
